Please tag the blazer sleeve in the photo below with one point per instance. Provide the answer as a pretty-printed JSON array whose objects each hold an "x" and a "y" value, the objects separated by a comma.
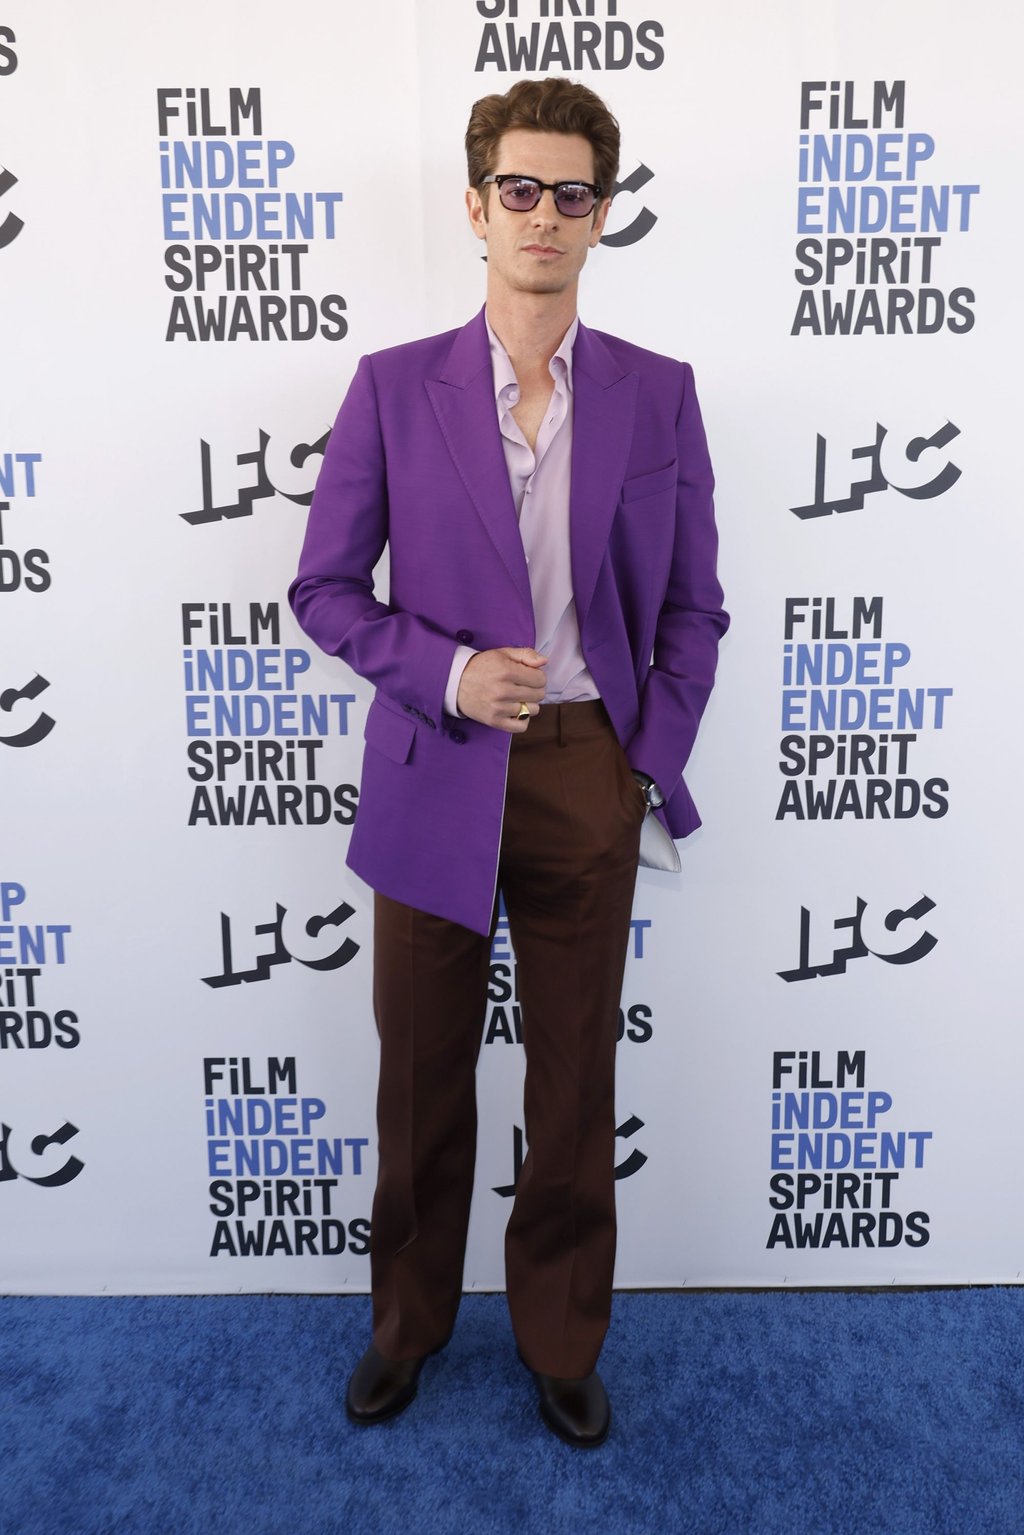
[
  {"x": 692, "y": 619},
  {"x": 333, "y": 595}
]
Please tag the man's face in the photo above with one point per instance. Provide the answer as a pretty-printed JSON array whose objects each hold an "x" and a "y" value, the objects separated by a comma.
[{"x": 541, "y": 251}]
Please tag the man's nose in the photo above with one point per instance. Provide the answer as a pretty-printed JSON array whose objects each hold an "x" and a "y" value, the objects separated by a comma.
[{"x": 545, "y": 212}]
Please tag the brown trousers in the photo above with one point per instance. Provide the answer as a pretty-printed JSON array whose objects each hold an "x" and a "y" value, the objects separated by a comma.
[{"x": 567, "y": 870}]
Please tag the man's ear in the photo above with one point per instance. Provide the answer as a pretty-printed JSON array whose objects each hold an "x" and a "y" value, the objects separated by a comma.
[
  {"x": 477, "y": 210},
  {"x": 600, "y": 215}
]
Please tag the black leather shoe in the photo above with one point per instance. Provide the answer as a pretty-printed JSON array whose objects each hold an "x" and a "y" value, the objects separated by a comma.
[
  {"x": 381, "y": 1388},
  {"x": 576, "y": 1410}
]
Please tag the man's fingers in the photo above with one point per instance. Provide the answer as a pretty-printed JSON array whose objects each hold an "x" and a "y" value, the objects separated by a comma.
[
  {"x": 526, "y": 655},
  {"x": 529, "y": 684},
  {"x": 496, "y": 684},
  {"x": 506, "y": 716},
  {"x": 515, "y": 726},
  {"x": 515, "y": 674}
]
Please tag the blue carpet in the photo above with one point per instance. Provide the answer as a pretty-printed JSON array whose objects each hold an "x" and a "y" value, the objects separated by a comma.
[{"x": 815, "y": 1413}]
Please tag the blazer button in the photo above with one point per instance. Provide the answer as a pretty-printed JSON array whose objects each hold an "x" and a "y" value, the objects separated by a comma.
[
  {"x": 464, "y": 637},
  {"x": 458, "y": 736}
]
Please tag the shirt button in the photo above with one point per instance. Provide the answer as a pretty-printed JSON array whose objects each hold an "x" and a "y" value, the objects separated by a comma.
[
  {"x": 464, "y": 637},
  {"x": 458, "y": 736}
]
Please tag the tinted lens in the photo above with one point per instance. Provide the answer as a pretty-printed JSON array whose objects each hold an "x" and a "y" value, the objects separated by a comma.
[
  {"x": 519, "y": 194},
  {"x": 574, "y": 199}
]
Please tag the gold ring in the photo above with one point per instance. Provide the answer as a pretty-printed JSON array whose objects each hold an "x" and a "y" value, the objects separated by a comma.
[{"x": 524, "y": 712}]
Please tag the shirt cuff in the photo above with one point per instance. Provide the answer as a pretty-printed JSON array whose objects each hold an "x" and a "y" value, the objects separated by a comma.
[{"x": 451, "y": 693}]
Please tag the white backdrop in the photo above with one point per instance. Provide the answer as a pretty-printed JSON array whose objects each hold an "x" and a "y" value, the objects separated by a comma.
[{"x": 188, "y": 1055}]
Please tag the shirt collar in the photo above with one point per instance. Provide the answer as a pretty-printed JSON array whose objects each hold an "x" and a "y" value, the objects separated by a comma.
[{"x": 505, "y": 375}]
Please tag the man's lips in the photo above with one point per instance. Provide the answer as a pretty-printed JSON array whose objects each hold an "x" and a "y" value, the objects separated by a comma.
[{"x": 542, "y": 250}]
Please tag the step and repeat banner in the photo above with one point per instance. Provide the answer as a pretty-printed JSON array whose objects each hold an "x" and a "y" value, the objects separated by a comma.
[{"x": 208, "y": 213}]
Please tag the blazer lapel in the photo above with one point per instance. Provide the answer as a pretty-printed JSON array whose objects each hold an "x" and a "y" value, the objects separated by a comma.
[
  {"x": 462, "y": 398},
  {"x": 604, "y": 407}
]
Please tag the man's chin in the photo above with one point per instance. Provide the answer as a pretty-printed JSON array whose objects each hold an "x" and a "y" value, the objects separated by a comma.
[{"x": 543, "y": 282}]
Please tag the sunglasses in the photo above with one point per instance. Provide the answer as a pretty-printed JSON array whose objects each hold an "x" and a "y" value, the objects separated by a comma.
[{"x": 573, "y": 199}]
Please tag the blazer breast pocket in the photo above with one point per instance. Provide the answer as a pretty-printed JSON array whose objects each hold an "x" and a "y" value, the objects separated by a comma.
[
  {"x": 641, "y": 487},
  {"x": 390, "y": 734}
]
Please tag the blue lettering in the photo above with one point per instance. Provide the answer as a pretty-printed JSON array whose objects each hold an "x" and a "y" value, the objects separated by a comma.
[
  {"x": 832, "y": 1150},
  {"x": 638, "y": 926},
  {"x": 8, "y": 476},
  {"x": 283, "y": 714},
  {"x": 902, "y": 206},
  {"x": 808, "y": 211},
  {"x": 219, "y": 215}
]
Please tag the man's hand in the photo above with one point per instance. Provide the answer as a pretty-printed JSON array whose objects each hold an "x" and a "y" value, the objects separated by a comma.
[{"x": 496, "y": 682}]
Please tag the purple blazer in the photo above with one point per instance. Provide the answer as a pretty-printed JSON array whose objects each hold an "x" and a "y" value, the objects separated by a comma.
[{"x": 415, "y": 462}]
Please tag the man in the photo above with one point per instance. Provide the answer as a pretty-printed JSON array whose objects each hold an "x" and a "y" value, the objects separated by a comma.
[{"x": 541, "y": 668}]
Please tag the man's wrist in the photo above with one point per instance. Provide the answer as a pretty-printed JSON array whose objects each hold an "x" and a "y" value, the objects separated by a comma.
[
  {"x": 652, "y": 794},
  {"x": 461, "y": 659}
]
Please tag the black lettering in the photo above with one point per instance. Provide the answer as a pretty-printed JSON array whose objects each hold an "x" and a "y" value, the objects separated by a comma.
[
  {"x": 863, "y": 1229},
  {"x": 522, "y": 51},
  {"x": 234, "y": 318},
  {"x": 501, "y": 1026},
  {"x": 588, "y": 35},
  {"x": 936, "y": 804},
  {"x": 305, "y": 1237},
  {"x": 221, "y": 1199},
  {"x": 779, "y": 1232},
  {"x": 618, "y": 58},
  {"x": 645, "y": 219},
  {"x": 35, "y": 563},
  {"x": 8, "y": 57},
  {"x": 12, "y": 225},
  {"x": 10, "y": 571},
  {"x": 806, "y": 317},
  {"x": 792, "y": 749},
  {"x": 781, "y": 1185},
  {"x": 177, "y": 258},
  {"x": 917, "y": 1229},
  {"x": 650, "y": 54},
  {"x": 11, "y": 1027},
  {"x": 489, "y": 51},
  {"x": 556, "y": 50},
  {"x": 346, "y": 798},
  {"x": 222, "y": 1240},
  {"x": 66, "y": 1035},
  {"x": 835, "y": 1232},
  {"x": 359, "y": 1237},
  {"x": 640, "y": 1026},
  {"x": 959, "y": 304},
  {"x": 499, "y": 985},
  {"x": 890, "y": 1229},
  {"x": 332, "y": 308},
  {"x": 805, "y": 252}
]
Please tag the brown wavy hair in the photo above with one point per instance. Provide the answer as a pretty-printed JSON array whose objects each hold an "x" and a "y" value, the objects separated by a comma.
[{"x": 553, "y": 105}]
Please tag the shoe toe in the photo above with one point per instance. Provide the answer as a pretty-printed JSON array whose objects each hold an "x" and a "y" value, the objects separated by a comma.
[
  {"x": 380, "y": 1388},
  {"x": 577, "y": 1411}
]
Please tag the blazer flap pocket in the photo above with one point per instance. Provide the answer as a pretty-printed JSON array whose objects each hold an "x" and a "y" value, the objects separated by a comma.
[
  {"x": 650, "y": 484},
  {"x": 388, "y": 733}
]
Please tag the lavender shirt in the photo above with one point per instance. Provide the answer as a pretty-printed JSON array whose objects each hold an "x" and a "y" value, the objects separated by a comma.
[{"x": 540, "y": 481}]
